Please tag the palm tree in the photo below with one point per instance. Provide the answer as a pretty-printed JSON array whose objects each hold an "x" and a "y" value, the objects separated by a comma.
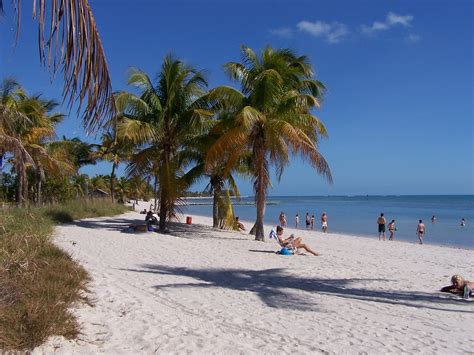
[
  {"x": 122, "y": 189},
  {"x": 69, "y": 42},
  {"x": 115, "y": 146},
  {"x": 221, "y": 182},
  {"x": 48, "y": 158},
  {"x": 80, "y": 183},
  {"x": 164, "y": 119},
  {"x": 12, "y": 123},
  {"x": 270, "y": 116}
]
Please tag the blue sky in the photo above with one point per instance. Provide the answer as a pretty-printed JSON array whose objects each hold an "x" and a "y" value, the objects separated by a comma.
[{"x": 399, "y": 106}]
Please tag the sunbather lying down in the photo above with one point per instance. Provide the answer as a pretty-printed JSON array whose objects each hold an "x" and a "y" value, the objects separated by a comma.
[
  {"x": 292, "y": 242},
  {"x": 460, "y": 287}
]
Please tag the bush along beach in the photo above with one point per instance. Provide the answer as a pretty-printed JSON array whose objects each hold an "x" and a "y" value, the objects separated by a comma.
[{"x": 38, "y": 281}]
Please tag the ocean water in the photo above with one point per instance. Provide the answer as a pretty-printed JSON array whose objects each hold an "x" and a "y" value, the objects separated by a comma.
[{"x": 357, "y": 215}]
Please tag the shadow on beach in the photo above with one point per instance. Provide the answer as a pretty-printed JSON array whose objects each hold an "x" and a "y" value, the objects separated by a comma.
[
  {"x": 274, "y": 287},
  {"x": 176, "y": 229}
]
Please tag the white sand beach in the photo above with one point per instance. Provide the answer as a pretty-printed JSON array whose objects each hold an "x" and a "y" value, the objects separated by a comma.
[{"x": 204, "y": 291}]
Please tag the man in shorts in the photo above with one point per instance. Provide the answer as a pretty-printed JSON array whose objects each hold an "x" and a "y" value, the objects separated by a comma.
[{"x": 381, "y": 223}]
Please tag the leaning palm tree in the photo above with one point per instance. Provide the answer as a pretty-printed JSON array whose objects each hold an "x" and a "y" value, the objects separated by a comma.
[
  {"x": 162, "y": 120},
  {"x": 270, "y": 116},
  {"x": 221, "y": 182},
  {"x": 69, "y": 42}
]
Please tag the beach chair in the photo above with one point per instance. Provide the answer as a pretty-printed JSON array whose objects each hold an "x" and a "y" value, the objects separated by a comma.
[{"x": 287, "y": 249}]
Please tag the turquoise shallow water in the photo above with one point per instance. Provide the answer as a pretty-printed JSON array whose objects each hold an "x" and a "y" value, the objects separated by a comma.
[{"x": 358, "y": 214}]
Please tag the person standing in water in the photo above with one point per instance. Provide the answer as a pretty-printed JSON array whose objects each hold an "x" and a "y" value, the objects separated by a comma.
[
  {"x": 312, "y": 222},
  {"x": 324, "y": 222},
  {"x": 308, "y": 220},
  {"x": 391, "y": 229},
  {"x": 463, "y": 222},
  {"x": 381, "y": 223},
  {"x": 297, "y": 220},
  {"x": 420, "y": 231},
  {"x": 433, "y": 219}
]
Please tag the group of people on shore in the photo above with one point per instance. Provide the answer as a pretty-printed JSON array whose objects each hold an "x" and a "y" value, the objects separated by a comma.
[
  {"x": 420, "y": 228},
  {"x": 309, "y": 221}
]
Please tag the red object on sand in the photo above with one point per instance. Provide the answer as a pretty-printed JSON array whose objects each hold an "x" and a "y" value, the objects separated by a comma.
[{"x": 189, "y": 220}]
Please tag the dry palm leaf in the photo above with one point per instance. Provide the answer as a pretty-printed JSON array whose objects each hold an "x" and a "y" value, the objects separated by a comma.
[{"x": 71, "y": 43}]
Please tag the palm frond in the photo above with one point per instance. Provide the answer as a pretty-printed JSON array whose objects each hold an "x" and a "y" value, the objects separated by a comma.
[{"x": 71, "y": 42}]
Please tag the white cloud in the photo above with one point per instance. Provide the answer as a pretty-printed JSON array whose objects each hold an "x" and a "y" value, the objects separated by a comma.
[
  {"x": 404, "y": 20},
  {"x": 412, "y": 38},
  {"x": 332, "y": 32},
  {"x": 284, "y": 32},
  {"x": 391, "y": 20}
]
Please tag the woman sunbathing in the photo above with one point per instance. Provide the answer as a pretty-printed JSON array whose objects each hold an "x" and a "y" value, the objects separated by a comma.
[
  {"x": 459, "y": 286},
  {"x": 293, "y": 243}
]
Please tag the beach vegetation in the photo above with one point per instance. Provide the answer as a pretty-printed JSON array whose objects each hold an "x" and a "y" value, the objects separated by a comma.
[{"x": 39, "y": 282}]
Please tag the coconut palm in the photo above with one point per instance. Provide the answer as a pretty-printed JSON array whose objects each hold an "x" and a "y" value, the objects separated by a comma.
[
  {"x": 26, "y": 130},
  {"x": 48, "y": 159},
  {"x": 69, "y": 42},
  {"x": 221, "y": 182},
  {"x": 116, "y": 147},
  {"x": 122, "y": 189},
  {"x": 12, "y": 123},
  {"x": 270, "y": 116},
  {"x": 164, "y": 119}
]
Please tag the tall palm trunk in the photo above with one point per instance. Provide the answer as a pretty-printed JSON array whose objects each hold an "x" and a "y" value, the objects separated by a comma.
[
  {"x": 215, "y": 202},
  {"x": 260, "y": 186},
  {"x": 39, "y": 183},
  {"x": 164, "y": 189},
  {"x": 112, "y": 181},
  {"x": 155, "y": 190},
  {"x": 21, "y": 193}
]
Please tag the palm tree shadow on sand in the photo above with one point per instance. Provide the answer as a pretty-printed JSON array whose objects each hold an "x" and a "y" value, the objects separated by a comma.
[{"x": 274, "y": 287}]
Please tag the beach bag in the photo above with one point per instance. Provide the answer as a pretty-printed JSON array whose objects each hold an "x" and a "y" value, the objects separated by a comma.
[{"x": 285, "y": 251}]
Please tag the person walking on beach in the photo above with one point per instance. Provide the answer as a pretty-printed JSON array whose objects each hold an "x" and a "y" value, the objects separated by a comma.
[
  {"x": 420, "y": 231},
  {"x": 391, "y": 229},
  {"x": 312, "y": 222},
  {"x": 297, "y": 220},
  {"x": 281, "y": 218},
  {"x": 308, "y": 220},
  {"x": 381, "y": 223},
  {"x": 324, "y": 222}
]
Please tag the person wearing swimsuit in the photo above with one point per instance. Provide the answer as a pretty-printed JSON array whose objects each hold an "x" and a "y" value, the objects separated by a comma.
[
  {"x": 324, "y": 222},
  {"x": 391, "y": 229},
  {"x": 420, "y": 231}
]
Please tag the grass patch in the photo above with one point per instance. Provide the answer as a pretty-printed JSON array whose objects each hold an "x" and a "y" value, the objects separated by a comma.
[{"x": 39, "y": 281}]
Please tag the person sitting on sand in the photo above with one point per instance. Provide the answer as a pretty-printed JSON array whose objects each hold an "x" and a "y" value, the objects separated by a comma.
[
  {"x": 239, "y": 225},
  {"x": 459, "y": 286},
  {"x": 293, "y": 242},
  {"x": 150, "y": 218}
]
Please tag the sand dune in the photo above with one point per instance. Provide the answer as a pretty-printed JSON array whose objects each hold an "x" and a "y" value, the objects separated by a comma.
[{"x": 205, "y": 291}]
